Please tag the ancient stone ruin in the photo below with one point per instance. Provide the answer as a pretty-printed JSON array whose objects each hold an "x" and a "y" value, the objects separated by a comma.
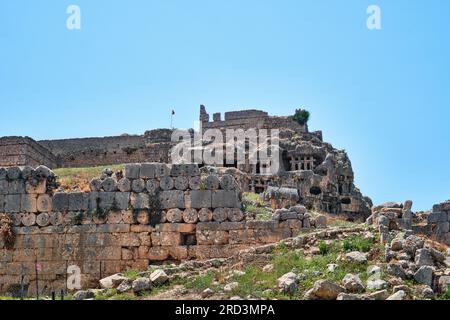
[{"x": 151, "y": 212}]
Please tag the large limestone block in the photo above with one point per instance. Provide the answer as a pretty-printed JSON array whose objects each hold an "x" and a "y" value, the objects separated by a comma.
[
  {"x": 12, "y": 203},
  {"x": 172, "y": 199},
  {"x": 140, "y": 200},
  {"x": 132, "y": 171},
  {"x": 4, "y": 186},
  {"x": 78, "y": 201},
  {"x": 29, "y": 203},
  {"x": 121, "y": 200},
  {"x": 224, "y": 198},
  {"x": 60, "y": 201},
  {"x": 16, "y": 187},
  {"x": 198, "y": 199},
  {"x": 211, "y": 237},
  {"x": 39, "y": 187},
  {"x": 148, "y": 170},
  {"x": 162, "y": 170}
]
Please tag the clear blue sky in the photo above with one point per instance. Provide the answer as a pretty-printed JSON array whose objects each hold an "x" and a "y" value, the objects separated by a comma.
[{"x": 381, "y": 95}]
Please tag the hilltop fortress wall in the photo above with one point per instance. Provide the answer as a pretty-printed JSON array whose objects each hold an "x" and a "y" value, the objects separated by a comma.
[{"x": 154, "y": 212}]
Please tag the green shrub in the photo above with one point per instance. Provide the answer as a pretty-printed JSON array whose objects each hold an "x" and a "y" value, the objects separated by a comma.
[
  {"x": 301, "y": 116},
  {"x": 323, "y": 248},
  {"x": 357, "y": 243}
]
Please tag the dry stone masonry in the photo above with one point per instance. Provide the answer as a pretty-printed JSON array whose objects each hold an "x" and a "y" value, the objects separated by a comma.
[{"x": 151, "y": 212}]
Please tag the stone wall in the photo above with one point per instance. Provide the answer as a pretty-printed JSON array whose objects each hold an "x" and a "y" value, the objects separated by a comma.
[
  {"x": 153, "y": 146},
  {"x": 248, "y": 119},
  {"x": 21, "y": 151},
  {"x": 393, "y": 216},
  {"x": 154, "y": 212},
  {"x": 439, "y": 222}
]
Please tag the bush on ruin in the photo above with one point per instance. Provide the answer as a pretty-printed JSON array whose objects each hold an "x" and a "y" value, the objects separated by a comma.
[{"x": 301, "y": 116}]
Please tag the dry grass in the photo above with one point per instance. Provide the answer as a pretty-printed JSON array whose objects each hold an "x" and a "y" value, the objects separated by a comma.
[{"x": 77, "y": 179}]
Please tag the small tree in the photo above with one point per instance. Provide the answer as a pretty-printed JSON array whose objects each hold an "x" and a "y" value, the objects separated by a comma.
[{"x": 301, "y": 116}]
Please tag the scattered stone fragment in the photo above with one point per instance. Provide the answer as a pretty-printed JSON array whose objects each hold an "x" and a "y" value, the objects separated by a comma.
[
  {"x": 353, "y": 284},
  {"x": 231, "y": 286},
  {"x": 424, "y": 275},
  {"x": 288, "y": 283},
  {"x": 399, "y": 295},
  {"x": 159, "y": 277},
  {"x": 141, "y": 284},
  {"x": 377, "y": 284},
  {"x": 324, "y": 290},
  {"x": 356, "y": 257}
]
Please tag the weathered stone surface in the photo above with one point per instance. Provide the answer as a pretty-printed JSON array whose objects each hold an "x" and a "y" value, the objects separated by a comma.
[
  {"x": 112, "y": 282},
  {"x": 105, "y": 201},
  {"x": 210, "y": 237},
  {"x": 95, "y": 185},
  {"x": 172, "y": 199},
  {"x": 152, "y": 186},
  {"x": 121, "y": 200},
  {"x": 43, "y": 219},
  {"x": 16, "y": 187},
  {"x": 396, "y": 269},
  {"x": 44, "y": 203},
  {"x": 28, "y": 219},
  {"x": 195, "y": 183},
  {"x": 29, "y": 203},
  {"x": 205, "y": 215},
  {"x": 132, "y": 171},
  {"x": 140, "y": 200},
  {"x": 37, "y": 188},
  {"x": 159, "y": 277},
  {"x": 227, "y": 182},
  {"x": 399, "y": 295},
  {"x": 235, "y": 215},
  {"x": 324, "y": 290},
  {"x": 356, "y": 257},
  {"x": 353, "y": 284},
  {"x": 321, "y": 221},
  {"x": 162, "y": 170},
  {"x": 12, "y": 203},
  {"x": 377, "y": 284},
  {"x": 181, "y": 183},
  {"x": 424, "y": 275},
  {"x": 124, "y": 185},
  {"x": 83, "y": 295},
  {"x": 166, "y": 183},
  {"x": 138, "y": 185},
  {"x": 190, "y": 215},
  {"x": 299, "y": 209},
  {"x": 220, "y": 214},
  {"x": 424, "y": 257},
  {"x": 288, "y": 283},
  {"x": 199, "y": 199},
  {"x": 56, "y": 218},
  {"x": 14, "y": 173},
  {"x": 141, "y": 284},
  {"x": 109, "y": 185},
  {"x": 212, "y": 182},
  {"x": 230, "y": 287},
  {"x": 223, "y": 198},
  {"x": 148, "y": 170},
  {"x": 174, "y": 215},
  {"x": 60, "y": 201},
  {"x": 78, "y": 201}
]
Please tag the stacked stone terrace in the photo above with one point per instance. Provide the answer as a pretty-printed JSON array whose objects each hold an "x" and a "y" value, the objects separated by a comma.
[{"x": 152, "y": 212}]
